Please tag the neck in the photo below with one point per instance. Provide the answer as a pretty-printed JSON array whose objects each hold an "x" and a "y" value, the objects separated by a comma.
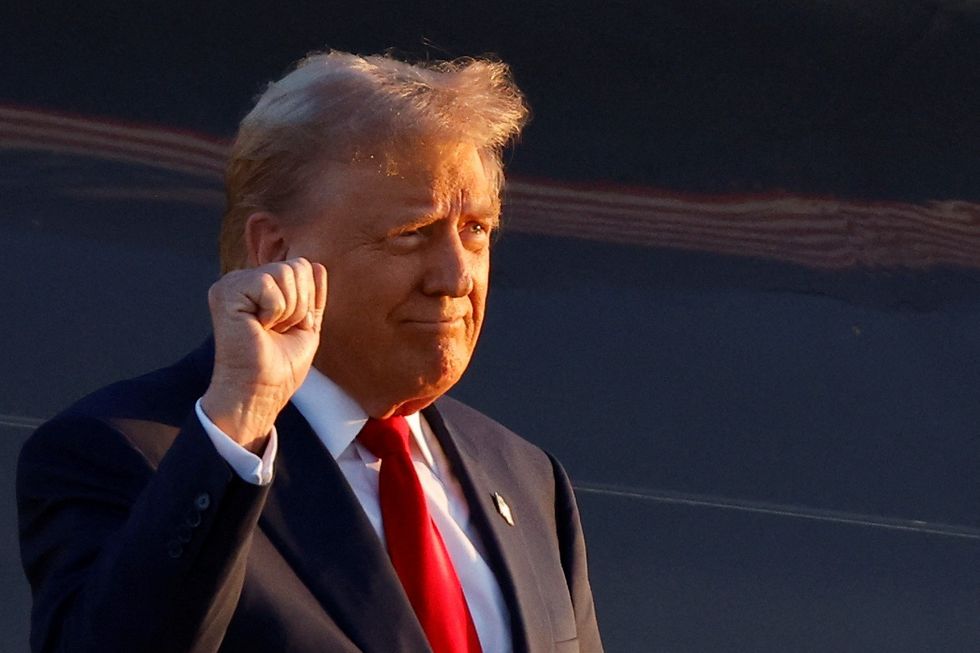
[{"x": 380, "y": 402}]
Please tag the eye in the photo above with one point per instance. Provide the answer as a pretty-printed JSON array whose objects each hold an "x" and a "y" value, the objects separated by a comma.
[
  {"x": 477, "y": 228},
  {"x": 407, "y": 236},
  {"x": 475, "y": 234},
  {"x": 404, "y": 240}
]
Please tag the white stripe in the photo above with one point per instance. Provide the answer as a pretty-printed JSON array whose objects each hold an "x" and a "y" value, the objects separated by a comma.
[
  {"x": 20, "y": 421},
  {"x": 216, "y": 148},
  {"x": 708, "y": 501},
  {"x": 780, "y": 510}
]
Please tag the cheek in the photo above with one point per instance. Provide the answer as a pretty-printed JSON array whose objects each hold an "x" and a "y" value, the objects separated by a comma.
[
  {"x": 480, "y": 273},
  {"x": 478, "y": 297},
  {"x": 354, "y": 314},
  {"x": 369, "y": 290}
]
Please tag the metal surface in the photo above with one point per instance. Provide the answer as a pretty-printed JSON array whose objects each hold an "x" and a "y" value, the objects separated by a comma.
[{"x": 737, "y": 293}]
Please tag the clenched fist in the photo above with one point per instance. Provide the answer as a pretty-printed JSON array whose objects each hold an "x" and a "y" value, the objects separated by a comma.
[{"x": 266, "y": 330}]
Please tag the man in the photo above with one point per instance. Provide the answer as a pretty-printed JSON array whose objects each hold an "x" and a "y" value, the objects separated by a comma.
[{"x": 300, "y": 483}]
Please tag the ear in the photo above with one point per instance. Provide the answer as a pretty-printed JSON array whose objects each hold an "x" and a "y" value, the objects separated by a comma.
[{"x": 265, "y": 241}]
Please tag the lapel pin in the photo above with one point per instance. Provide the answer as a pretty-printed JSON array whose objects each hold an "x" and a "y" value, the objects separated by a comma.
[{"x": 503, "y": 508}]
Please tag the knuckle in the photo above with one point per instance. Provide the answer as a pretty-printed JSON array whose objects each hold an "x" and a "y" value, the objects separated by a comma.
[
  {"x": 273, "y": 308},
  {"x": 301, "y": 268},
  {"x": 218, "y": 290},
  {"x": 274, "y": 270},
  {"x": 268, "y": 282}
]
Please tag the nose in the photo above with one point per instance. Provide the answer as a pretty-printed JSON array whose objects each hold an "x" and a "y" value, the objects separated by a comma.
[{"x": 448, "y": 272}]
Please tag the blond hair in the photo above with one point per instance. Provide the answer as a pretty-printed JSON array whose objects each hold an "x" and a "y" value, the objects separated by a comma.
[{"x": 336, "y": 106}]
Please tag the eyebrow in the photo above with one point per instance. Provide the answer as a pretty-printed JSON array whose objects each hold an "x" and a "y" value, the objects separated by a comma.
[
  {"x": 410, "y": 219},
  {"x": 414, "y": 219}
]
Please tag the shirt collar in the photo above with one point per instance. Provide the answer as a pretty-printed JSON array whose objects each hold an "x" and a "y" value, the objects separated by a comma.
[{"x": 337, "y": 419}]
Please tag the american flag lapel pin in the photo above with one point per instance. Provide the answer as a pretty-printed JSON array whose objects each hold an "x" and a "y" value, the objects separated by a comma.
[{"x": 503, "y": 508}]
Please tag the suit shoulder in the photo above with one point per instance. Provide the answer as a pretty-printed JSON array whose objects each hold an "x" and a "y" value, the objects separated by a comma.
[
  {"x": 488, "y": 436},
  {"x": 159, "y": 401},
  {"x": 164, "y": 395}
]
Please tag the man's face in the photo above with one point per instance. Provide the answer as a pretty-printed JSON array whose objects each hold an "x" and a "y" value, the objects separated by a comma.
[{"x": 407, "y": 251}]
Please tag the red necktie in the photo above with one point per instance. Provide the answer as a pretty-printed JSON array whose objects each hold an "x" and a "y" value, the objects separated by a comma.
[{"x": 414, "y": 544}]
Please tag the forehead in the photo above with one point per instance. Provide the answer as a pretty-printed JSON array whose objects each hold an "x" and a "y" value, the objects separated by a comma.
[{"x": 425, "y": 179}]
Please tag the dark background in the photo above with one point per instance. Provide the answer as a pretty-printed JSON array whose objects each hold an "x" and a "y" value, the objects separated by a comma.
[
  {"x": 769, "y": 457},
  {"x": 876, "y": 98}
]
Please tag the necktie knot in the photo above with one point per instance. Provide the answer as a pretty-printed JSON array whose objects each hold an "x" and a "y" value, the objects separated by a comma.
[{"x": 384, "y": 437}]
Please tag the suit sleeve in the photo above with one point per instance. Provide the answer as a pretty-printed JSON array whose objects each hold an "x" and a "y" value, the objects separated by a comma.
[
  {"x": 571, "y": 543},
  {"x": 124, "y": 557}
]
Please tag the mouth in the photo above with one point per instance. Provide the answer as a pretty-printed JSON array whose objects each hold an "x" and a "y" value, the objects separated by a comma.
[{"x": 439, "y": 325}]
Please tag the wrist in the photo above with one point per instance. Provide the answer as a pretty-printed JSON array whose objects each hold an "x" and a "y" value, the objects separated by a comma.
[{"x": 247, "y": 417}]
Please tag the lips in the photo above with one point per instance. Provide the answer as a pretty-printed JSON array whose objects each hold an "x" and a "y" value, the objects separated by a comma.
[
  {"x": 439, "y": 324},
  {"x": 436, "y": 319}
]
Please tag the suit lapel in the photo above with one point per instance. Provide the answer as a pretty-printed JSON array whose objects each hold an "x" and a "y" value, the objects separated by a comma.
[
  {"x": 317, "y": 523},
  {"x": 505, "y": 545}
]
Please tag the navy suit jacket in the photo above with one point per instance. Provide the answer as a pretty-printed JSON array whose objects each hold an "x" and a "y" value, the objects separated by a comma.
[{"x": 137, "y": 536}]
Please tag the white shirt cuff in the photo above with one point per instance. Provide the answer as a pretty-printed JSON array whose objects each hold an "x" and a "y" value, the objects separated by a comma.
[{"x": 251, "y": 468}]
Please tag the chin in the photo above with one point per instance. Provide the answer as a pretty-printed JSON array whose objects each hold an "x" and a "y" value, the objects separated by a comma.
[{"x": 441, "y": 374}]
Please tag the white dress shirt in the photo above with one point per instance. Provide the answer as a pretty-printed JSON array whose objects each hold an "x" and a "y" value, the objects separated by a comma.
[{"x": 337, "y": 419}]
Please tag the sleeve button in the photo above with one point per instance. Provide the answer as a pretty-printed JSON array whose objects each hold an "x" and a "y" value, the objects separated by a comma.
[
  {"x": 203, "y": 501},
  {"x": 175, "y": 549},
  {"x": 193, "y": 518},
  {"x": 183, "y": 533}
]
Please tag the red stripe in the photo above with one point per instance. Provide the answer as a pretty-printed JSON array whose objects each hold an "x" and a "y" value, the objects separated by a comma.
[
  {"x": 924, "y": 249},
  {"x": 824, "y": 232},
  {"x": 179, "y": 144},
  {"x": 118, "y": 123},
  {"x": 104, "y": 143}
]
